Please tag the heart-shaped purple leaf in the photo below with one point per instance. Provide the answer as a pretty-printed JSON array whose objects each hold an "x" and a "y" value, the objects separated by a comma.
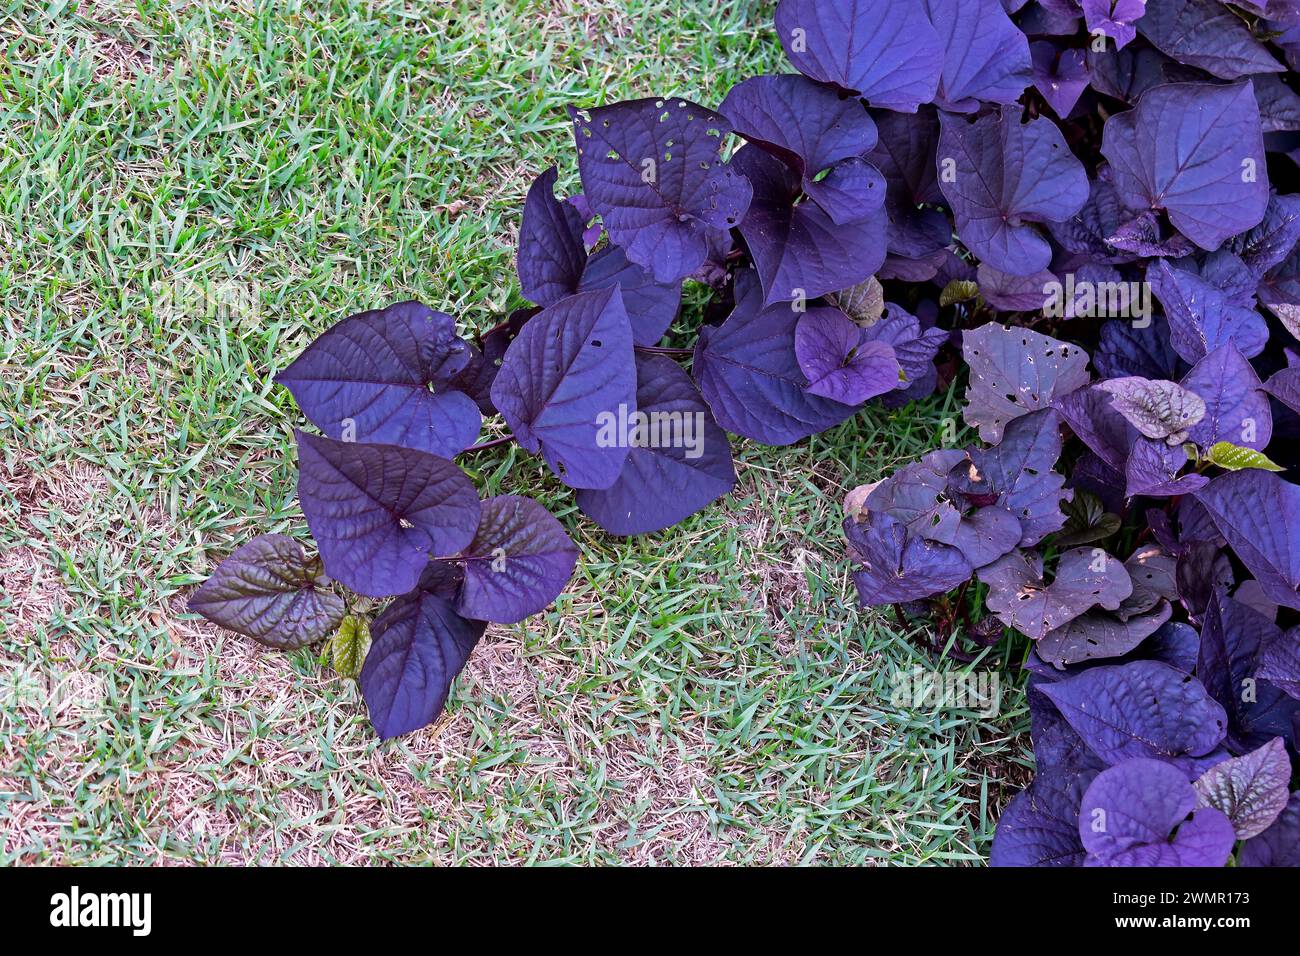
[
  {"x": 1130, "y": 812},
  {"x": 799, "y": 249},
  {"x": 900, "y": 566},
  {"x": 1196, "y": 151},
  {"x": 268, "y": 590},
  {"x": 1014, "y": 372},
  {"x": 678, "y": 461},
  {"x": 749, "y": 373},
  {"x": 1114, "y": 18},
  {"x": 885, "y": 51},
  {"x": 569, "y": 365},
  {"x": 418, "y": 646},
  {"x": 1040, "y": 827},
  {"x": 1098, "y": 635},
  {"x": 1157, "y": 409},
  {"x": 1140, "y": 709},
  {"x": 517, "y": 564},
  {"x": 986, "y": 57},
  {"x": 841, "y": 363},
  {"x": 552, "y": 253},
  {"x": 1060, "y": 76},
  {"x": 1202, "y": 318},
  {"x": 1237, "y": 409},
  {"x": 1207, "y": 35},
  {"x": 1259, "y": 514},
  {"x": 387, "y": 377},
  {"x": 999, "y": 175},
  {"x": 379, "y": 512},
  {"x": 651, "y": 170}
]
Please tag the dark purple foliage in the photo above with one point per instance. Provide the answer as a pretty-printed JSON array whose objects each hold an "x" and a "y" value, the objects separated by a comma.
[
  {"x": 388, "y": 377},
  {"x": 379, "y": 512}
]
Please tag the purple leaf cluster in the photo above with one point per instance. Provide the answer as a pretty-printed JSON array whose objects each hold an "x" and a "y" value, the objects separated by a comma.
[{"x": 1092, "y": 202}]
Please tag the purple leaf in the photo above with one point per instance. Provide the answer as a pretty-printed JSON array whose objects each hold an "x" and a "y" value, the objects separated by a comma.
[
  {"x": 379, "y": 512},
  {"x": 418, "y": 646},
  {"x": 803, "y": 124},
  {"x": 1129, "y": 812},
  {"x": 799, "y": 249},
  {"x": 1285, "y": 387},
  {"x": 1251, "y": 790},
  {"x": 1060, "y": 76},
  {"x": 517, "y": 564},
  {"x": 1196, "y": 151},
  {"x": 840, "y": 362},
  {"x": 651, "y": 306},
  {"x": 898, "y": 566},
  {"x": 1114, "y": 18},
  {"x": 1259, "y": 514},
  {"x": 651, "y": 170},
  {"x": 1201, "y": 318},
  {"x": 1237, "y": 410},
  {"x": 679, "y": 459},
  {"x": 1014, "y": 293},
  {"x": 1206, "y": 34},
  {"x": 1233, "y": 640},
  {"x": 1126, "y": 349},
  {"x": 885, "y": 51},
  {"x": 1040, "y": 827},
  {"x": 986, "y": 58},
  {"x": 268, "y": 590},
  {"x": 1014, "y": 372},
  {"x": 1268, "y": 244},
  {"x": 1279, "y": 106},
  {"x": 1019, "y": 475},
  {"x": 1279, "y": 845},
  {"x": 568, "y": 365},
  {"x": 1154, "y": 467},
  {"x": 1056, "y": 744},
  {"x": 1279, "y": 661},
  {"x": 1086, "y": 232},
  {"x": 914, "y": 348},
  {"x": 552, "y": 253},
  {"x": 1105, "y": 431},
  {"x": 1148, "y": 235},
  {"x": 1157, "y": 409},
  {"x": 749, "y": 373},
  {"x": 1098, "y": 635},
  {"x": 1140, "y": 709},
  {"x": 387, "y": 377},
  {"x": 1128, "y": 73},
  {"x": 1085, "y": 578},
  {"x": 998, "y": 175}
]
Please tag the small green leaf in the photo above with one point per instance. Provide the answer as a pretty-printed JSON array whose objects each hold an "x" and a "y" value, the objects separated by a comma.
[
  {"x": 958, "y": 290},
  {"x": 348, "y": 646},
  {"x": 1234, "y": 458},
  {"x": 1088, "y": 521}
]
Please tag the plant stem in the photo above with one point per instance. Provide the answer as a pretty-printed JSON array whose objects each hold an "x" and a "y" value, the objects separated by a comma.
[{"x": 494, "y": 443}]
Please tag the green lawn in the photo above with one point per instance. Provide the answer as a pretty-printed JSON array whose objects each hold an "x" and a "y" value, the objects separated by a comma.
[{"x": 708, "y": 694}]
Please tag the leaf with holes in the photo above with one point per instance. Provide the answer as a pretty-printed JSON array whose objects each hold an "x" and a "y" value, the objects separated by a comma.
[
  {"x": 651, "y": 170},
  {"x": 1085, "y": 578},
  {"x": 1015, "y": 372}
]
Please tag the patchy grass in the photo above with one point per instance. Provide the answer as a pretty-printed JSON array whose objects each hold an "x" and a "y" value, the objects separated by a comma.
[{"x": 189, "y": 193}]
